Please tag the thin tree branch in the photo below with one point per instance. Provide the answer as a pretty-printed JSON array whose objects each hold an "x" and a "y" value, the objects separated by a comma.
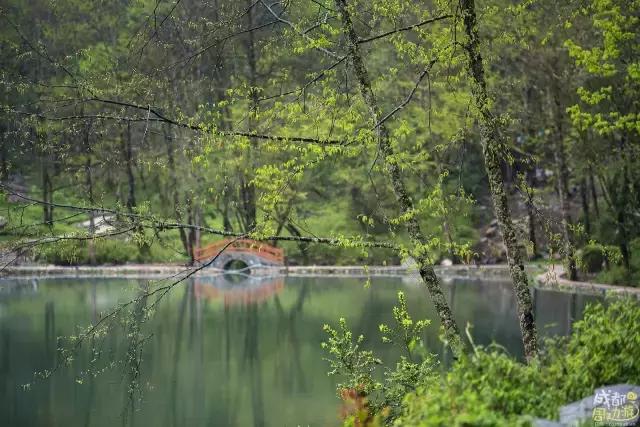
[
  {"x": 300, "y": 33},
  {"x": 408, "y": 28},
  {"x": 162, "y": 119},
  {"x": 409, "y": 97},
  {"x": 222, "y": 40},
  {"x": 161, "y": 224},
  {"x": 307, "y": 84}
]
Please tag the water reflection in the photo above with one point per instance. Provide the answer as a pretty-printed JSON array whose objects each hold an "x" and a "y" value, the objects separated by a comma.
[
  {"x": 290, "y": 367},
  {"x": 222, "y": 351},
  {"x": 238, "y": 288},
  {"x": 136, "y": 338}
]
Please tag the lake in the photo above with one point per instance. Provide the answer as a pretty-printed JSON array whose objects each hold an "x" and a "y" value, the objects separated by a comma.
[{"x": 223, "y": 351}]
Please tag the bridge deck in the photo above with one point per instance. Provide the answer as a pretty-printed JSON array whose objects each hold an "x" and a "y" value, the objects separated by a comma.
[{"x": 270, "y": 254}]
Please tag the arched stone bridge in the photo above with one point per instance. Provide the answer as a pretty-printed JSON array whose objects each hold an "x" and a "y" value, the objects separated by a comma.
[{"x": 250, "y": 252}]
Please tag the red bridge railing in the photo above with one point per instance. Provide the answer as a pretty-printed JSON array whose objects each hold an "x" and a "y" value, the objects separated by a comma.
[{"x": 261, "y": 249}]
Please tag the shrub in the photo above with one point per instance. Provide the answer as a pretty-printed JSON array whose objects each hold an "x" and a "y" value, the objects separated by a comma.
[
  {"x": 613, "y": 255},
  {"x": 64, "y": 252},
  {"x": 369, "y": 399},
  {"x": 634, "y": 248},
  {"x": 109, "y": 251},
  {"x": 604, "y": 348},
  {"x": 591, "y": 257},
  {"x": 616, "y": 275},
  {"x": 490, "y": 388},
  {"x": 76, "y": 252},
  {"x": 114, "y": 251}
]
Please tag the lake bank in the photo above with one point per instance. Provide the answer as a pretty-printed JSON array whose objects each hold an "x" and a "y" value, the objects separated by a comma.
[
  {"x": 151, "y": 270},
  {"x": 551, "y": 278}
]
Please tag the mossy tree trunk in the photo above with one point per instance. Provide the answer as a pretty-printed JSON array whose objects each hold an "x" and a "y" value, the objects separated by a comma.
[
  {"x": 404, "y": 200},
  {"x": 492, "y": 149},
  {"x": 531, "y": 214}
]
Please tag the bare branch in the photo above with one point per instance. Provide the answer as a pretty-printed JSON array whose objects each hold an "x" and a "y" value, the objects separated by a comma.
[
  {"x": 163, "y": 119},
  {"x": 300, "y": 33},
  {"x": 408, "y": 28},
  {"x": 409, "y": 97},
  {"x": 161, "y": 224},
  {"x": 222, "y": 40},
  {"x": 307, "y": 84}
]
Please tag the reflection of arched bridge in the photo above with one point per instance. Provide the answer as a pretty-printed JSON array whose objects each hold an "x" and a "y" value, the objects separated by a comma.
[
  {"x": 238, "y": 288},
  {"x": 250, "y": 252}
]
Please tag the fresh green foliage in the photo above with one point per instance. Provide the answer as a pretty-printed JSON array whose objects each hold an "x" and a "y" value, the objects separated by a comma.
[
  {"x": 601, "y": 350},
  {"x": 356, "y": 366},
  {"x": 615, "y": 272},
  {"x": 106, "y": 251},
  {"x": 490, "y": 388},
  {"x": 591, "y": 258},
  {"x": 406, "y": 332},
  {"x": 169, "y": 133},
  {"x": 349, "y": 360}
]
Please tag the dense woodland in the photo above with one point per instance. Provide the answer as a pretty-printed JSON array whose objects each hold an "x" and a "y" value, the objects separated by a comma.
[
  {"x": 250, "y": 118},
  {"x": 346, "y": 131}
]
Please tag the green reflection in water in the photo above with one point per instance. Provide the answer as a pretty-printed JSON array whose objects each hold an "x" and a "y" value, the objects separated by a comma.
[{"x": 222, "y": 351}]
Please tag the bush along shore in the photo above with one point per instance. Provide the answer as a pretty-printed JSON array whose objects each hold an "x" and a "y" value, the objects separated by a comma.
[{"x": 486, "y": 386}]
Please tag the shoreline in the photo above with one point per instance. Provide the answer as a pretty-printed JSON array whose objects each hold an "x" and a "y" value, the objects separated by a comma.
[
  {"x": 550, "y": 279},
  {"x": 554, "y": 279},
  {"x": 498, "y": 271}
]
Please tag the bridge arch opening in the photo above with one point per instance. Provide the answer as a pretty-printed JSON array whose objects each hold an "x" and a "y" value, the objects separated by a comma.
[{"x": 237, "y": 265}]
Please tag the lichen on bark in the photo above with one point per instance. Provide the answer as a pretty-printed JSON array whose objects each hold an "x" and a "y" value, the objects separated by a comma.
[
  {"x": 492, "y": 149},
  {"x": 425, "y": 266}
]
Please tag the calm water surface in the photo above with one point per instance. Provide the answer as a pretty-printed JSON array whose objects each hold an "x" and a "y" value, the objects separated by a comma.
[{"x": 224, "y": 352}]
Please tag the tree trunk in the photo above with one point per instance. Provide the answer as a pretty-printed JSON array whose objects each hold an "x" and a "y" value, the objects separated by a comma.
[
  {"x": 88, "y": 170},
  {"x": 562, "y": 182},
  {"x": 196, "y": 231},
  {"x": 302, "y": 246},
  {"x": 247, "y": 201},
  {"x": 45, "y": 175},
  {"x": 453, "y": 257},
  {"x": 614, "y": 192},
  {"x": 247, "y": 187},
  {"x": 624, "y": 241},
  {"x": 4, "y": 164},
  {"x": 226, "y": 202},
  {"x": 404, "y": 201},
  {"x": 531, "y": 215},
  {"x": 492, "y": 152},
  {"x": 594, "y": 193},
  {"x": 622, "y": 209},
  {"x": 131, "y": 179},
  {"x": 168, "y": 136},
  {"x": 584, "y": 197},
  {"x": 191, "y": 219},
  {"x": 530, "y": 176},
  {"x": 47, "y": 189}
]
